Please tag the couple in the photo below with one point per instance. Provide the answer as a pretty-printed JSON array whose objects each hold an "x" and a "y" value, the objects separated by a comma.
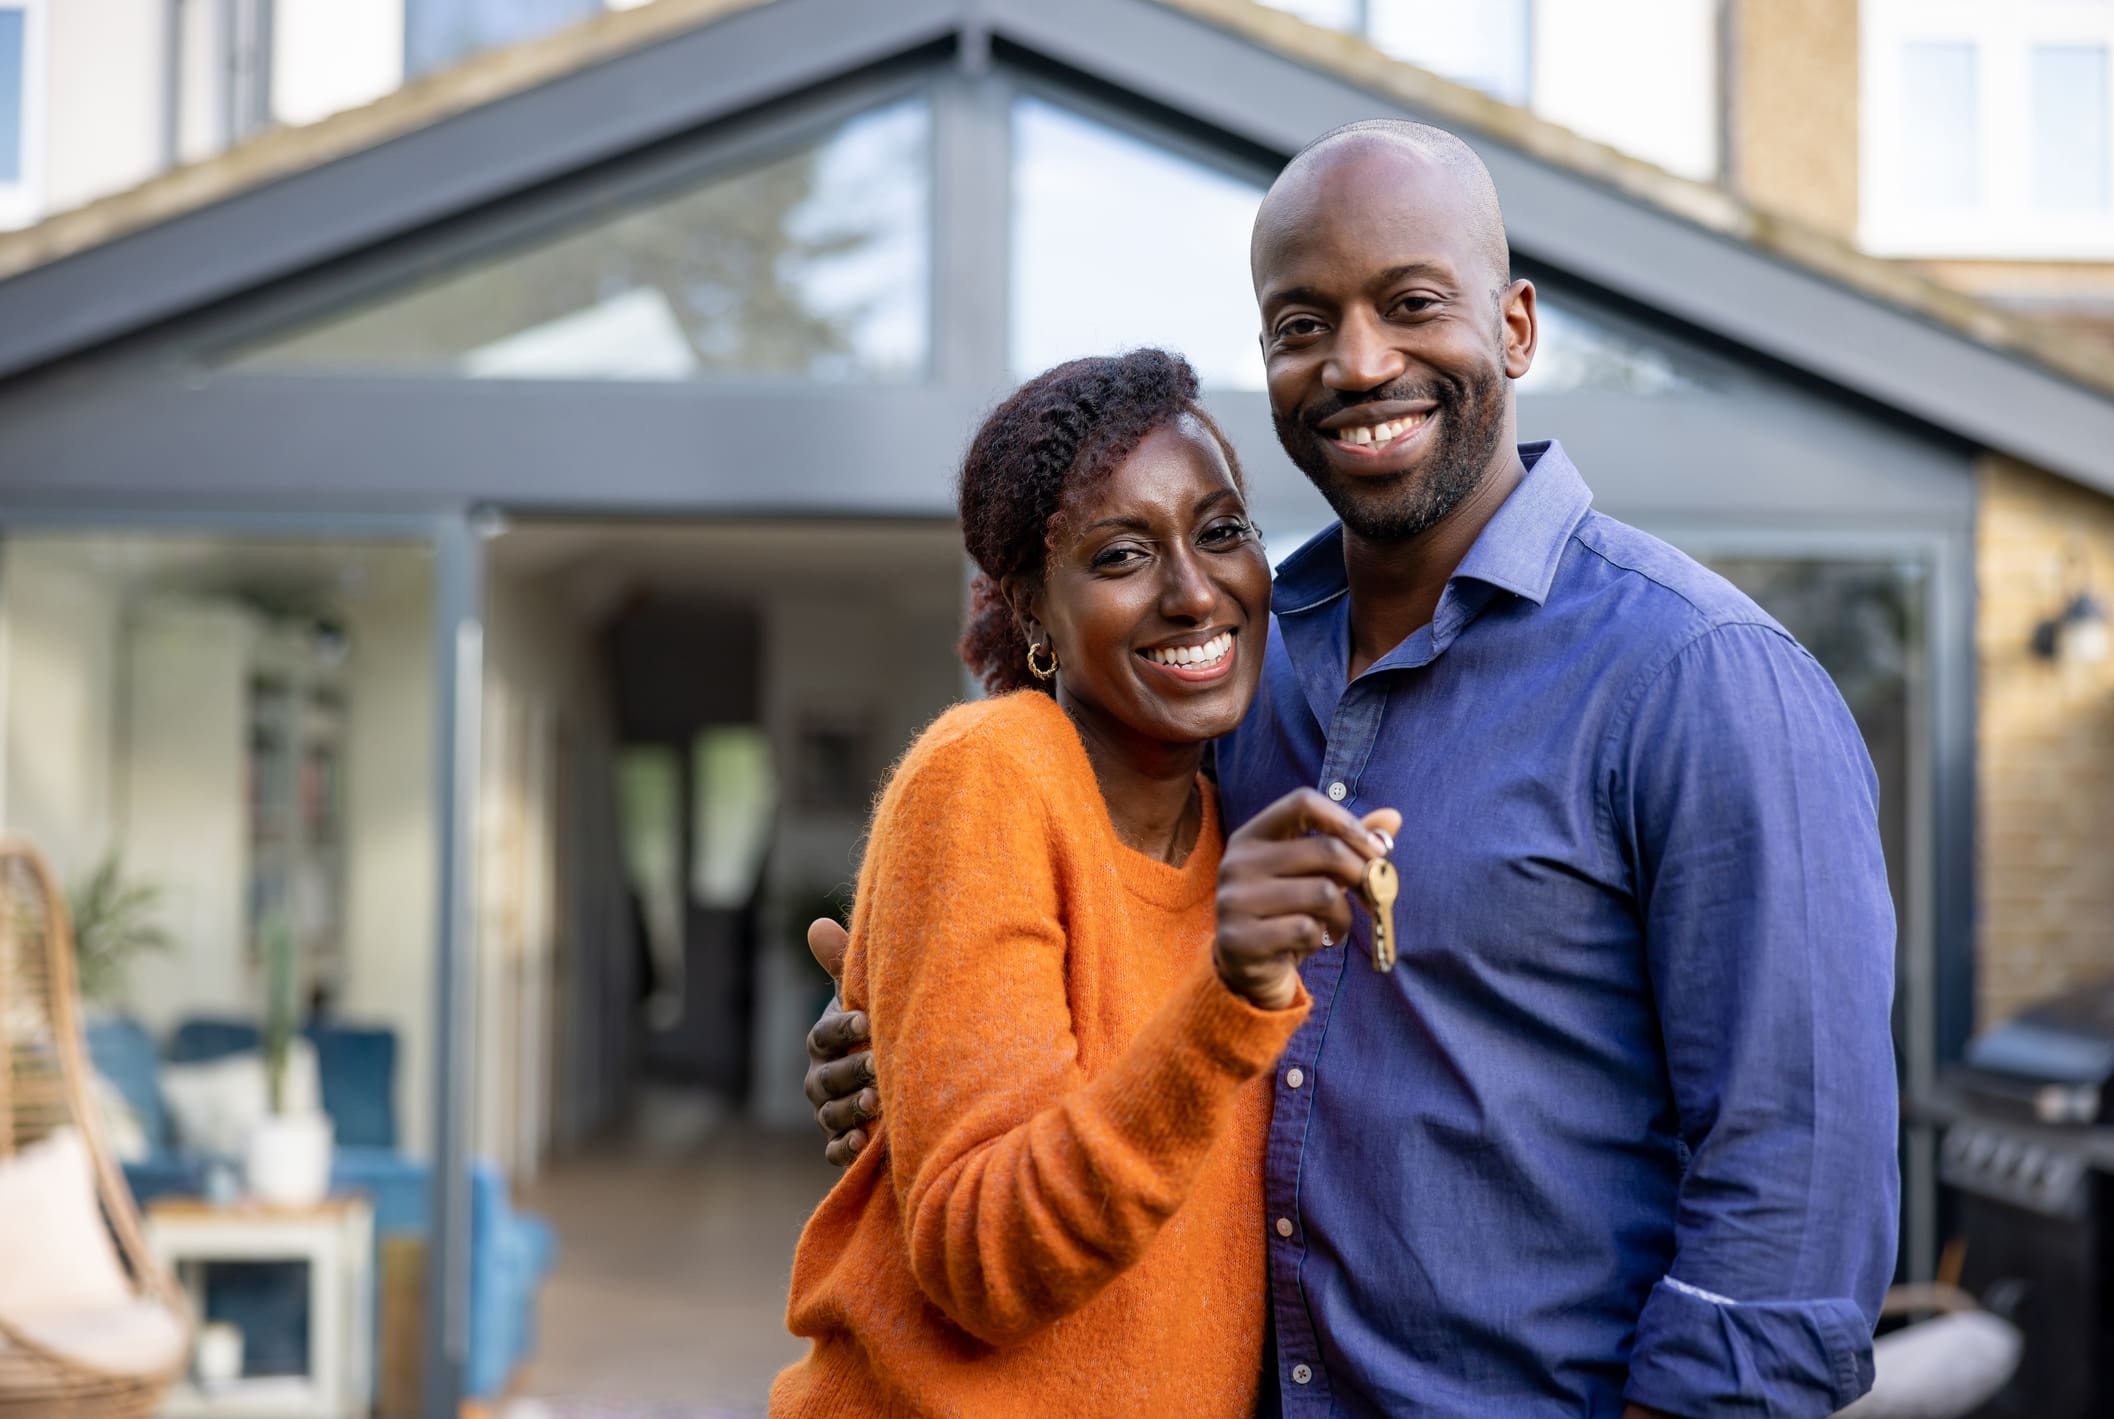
[{"x": 1141, "y": 1131}]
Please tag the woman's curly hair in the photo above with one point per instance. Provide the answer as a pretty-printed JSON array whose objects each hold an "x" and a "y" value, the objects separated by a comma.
[{"x": 1054, "y": 439}]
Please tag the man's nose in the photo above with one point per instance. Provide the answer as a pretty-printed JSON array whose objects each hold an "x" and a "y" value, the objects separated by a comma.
[{"x": 1362, "y": 357}]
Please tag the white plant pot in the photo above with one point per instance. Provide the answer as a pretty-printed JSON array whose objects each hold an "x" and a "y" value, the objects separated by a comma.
[{"x": 289, "y": 1159}]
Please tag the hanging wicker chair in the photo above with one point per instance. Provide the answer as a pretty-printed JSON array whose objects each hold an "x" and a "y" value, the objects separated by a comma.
[{"x": 63, "y": 1366}]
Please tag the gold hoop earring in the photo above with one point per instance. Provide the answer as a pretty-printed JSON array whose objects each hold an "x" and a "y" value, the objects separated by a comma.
[{"x": 1042, "y": 672}]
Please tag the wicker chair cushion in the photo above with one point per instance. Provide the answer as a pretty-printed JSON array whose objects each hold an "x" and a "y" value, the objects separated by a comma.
[
  {"x": 59, "y": 1254},
  {"x": 136, "y": 1339}
]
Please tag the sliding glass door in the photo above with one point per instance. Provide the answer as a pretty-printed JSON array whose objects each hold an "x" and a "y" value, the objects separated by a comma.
[{"x": 242, "y": 740}]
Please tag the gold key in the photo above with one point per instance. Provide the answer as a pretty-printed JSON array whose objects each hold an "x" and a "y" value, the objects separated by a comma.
[{"x": 1381, "y": 884}]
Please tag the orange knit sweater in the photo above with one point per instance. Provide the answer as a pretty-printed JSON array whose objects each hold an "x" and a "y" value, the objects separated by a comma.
[{"x": 1061, "y": 1212}]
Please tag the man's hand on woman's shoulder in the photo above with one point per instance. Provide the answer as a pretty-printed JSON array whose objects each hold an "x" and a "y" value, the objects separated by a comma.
[{"x": 840, "y": 1070}]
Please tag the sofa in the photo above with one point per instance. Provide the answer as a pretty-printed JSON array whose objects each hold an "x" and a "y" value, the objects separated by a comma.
[{"x": 510, "y": 1253}]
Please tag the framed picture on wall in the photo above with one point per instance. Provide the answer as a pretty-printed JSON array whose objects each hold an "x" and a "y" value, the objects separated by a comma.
[{"x": 833, "y": 762}]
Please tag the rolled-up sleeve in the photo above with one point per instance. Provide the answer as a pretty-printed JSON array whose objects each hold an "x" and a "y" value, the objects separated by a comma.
[{"x": 1750, "y": 808}]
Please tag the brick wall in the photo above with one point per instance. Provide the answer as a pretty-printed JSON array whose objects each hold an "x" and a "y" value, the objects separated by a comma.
[
  {"x": 2046, "y": 736},
  {"x": 1793, "y": 109}
]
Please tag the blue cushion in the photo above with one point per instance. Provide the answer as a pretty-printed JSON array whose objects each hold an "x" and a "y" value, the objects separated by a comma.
[
  {"x": 358, "y": 1070},
  {"x": 183, "y": 1174},
  {"x": 510, "y": 1255},
  {"x": 123, "y": 1052},
  {"x": 197, "y": 1041},
  {"x": 400, "y": 1188},
  {"x": 355, "y": 1066}
]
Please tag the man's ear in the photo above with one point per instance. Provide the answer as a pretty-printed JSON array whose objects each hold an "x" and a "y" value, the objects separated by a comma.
[{"x": 1522, "y": 327}]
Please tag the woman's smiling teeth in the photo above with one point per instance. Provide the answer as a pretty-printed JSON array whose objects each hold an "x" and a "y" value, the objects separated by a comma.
[
  {"x": 1193, "y": 657},
  {"x": 1362, "y": 435}
]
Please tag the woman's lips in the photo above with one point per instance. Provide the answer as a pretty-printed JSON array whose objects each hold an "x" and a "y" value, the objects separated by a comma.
[{"x": 1200, "y": 674}]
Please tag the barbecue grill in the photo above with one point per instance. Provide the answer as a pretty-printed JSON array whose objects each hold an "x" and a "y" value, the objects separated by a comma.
[{"x": 2028, "y": 1151}]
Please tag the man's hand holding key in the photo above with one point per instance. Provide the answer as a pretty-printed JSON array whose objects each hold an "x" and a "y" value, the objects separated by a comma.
[{"x": 1284, "y": 893}]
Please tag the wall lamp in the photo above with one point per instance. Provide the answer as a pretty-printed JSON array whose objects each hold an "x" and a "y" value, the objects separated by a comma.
[{"x": 2079, "y": 633}]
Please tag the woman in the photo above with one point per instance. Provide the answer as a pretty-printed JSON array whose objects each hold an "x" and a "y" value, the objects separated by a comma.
[{"x": 1062, "y": 1211}]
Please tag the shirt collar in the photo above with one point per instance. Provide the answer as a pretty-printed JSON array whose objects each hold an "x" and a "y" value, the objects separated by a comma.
[{"x": 1517, "y": 551}]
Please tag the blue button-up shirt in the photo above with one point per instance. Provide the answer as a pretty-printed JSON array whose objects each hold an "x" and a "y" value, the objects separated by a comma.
[{"x": 1621, "y": 1124}]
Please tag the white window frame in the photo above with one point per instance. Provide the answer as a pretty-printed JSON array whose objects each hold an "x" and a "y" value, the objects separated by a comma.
[
  {"x": 22, "y": 201},
  {"x": 2003, "y": 224}
]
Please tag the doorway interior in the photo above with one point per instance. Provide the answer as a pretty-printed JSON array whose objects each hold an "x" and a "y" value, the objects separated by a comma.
[{"x": 684, "y": 725}]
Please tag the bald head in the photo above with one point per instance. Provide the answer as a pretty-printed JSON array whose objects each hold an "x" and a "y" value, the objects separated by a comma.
[{"x": 1438, "y": 170}]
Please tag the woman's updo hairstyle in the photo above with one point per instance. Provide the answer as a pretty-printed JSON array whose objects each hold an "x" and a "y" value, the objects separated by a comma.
[{"x": 1056, "y": 437}]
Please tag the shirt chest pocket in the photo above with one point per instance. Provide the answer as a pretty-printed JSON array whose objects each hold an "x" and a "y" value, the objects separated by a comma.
[{"x": 1514, "y": 877}]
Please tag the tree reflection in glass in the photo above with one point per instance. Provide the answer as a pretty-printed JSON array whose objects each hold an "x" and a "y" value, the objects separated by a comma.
[{"x": 811, "y": 265}]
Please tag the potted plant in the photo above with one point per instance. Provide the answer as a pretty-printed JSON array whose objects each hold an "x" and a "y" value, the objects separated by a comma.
[
  {"x": 115, "y": 921},
  {"x": 289, "y": 1153}
]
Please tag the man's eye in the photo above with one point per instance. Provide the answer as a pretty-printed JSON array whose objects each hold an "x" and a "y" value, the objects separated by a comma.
[
  {"x": 1298, "y": 328},
  {"x": 1415, "y": 305}
]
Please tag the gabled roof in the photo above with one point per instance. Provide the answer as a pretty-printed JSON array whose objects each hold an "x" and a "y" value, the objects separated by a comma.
[{"x": 511, "y": 119}]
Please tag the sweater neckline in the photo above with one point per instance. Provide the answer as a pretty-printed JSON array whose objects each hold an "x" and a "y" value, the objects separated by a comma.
[{"x": 1160, "y": 883}]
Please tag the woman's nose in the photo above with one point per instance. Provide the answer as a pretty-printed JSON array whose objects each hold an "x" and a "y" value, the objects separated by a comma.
[{"x": 1187, "y": 594}]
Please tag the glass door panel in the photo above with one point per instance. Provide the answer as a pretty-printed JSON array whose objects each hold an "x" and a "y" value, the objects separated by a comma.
[
  {"x": 1867, "y": 621},
  {"x": 225, "y": 742}
]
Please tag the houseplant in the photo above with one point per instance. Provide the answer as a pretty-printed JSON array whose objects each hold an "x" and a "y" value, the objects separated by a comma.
[
  {"x": 289, "y": 1153},
  {"x": 115, "y": 921}
]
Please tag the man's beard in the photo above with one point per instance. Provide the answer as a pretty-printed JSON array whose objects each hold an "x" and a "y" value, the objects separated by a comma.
[{"x": 1397, "y": 507}]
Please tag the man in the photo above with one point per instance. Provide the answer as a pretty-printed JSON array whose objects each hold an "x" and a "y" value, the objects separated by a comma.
[{"x": 1617, "y": 1136}]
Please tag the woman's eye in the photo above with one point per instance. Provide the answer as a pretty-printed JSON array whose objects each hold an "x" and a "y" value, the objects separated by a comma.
[
  {"x": 1117, "y": 557},
  {"x": 1226, "y": 534}
]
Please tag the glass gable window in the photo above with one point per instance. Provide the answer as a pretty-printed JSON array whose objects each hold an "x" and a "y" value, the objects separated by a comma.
[
  {"x": 1576, "y": 352},
  {"x": 1119, "y": 243},
  {"x": 811, "y": 265}
]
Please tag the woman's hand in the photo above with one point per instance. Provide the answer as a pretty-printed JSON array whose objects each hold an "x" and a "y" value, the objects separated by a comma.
[{"x": 1283, "y": 883}]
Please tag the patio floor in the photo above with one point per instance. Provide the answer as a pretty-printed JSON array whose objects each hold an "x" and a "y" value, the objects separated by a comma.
[{"x": 669, "y": 1293}]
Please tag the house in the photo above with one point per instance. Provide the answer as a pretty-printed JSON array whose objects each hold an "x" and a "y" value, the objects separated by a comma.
[{"x": 566, "y": 436}]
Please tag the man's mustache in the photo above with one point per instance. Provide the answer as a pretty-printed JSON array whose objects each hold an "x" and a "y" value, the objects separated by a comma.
[{"x": 1439, "y": 392}]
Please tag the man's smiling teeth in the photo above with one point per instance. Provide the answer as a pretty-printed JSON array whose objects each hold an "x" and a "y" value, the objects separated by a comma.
[
  {"x": 1195, "y": 657},
  {"x": 1364, "y": 434}
]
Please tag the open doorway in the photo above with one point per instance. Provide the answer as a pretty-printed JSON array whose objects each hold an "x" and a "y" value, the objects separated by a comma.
[{"x": 684, "y": 726}]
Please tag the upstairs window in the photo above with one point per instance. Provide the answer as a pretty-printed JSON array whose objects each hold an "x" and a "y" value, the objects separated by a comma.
[
  {"x": 438, "y": 33},
  {"x": 21, "y": 111},
  {"x": 1987, "y": 130},
  {"x": 1639, "y": 75}
]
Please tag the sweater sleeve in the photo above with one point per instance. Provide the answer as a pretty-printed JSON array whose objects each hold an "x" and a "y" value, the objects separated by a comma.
[{"x": 1025, "y": 1186}]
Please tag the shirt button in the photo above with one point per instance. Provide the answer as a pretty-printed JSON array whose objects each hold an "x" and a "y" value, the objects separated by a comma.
[
  {"x": 1294, "y": 1077},
  {"x": 1301, "y": 1374},
  {"x": 1337, "y": 792},
  {"x": 1284, "y": 1226}
]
